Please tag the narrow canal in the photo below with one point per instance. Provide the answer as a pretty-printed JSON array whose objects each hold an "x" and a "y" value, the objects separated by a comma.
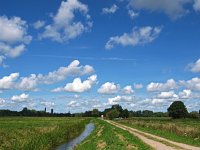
[{"x": 72, "y": 143}]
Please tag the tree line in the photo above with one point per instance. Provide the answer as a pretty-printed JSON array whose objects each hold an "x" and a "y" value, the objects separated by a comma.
[
  {"x": 33, "y": 113},
  {"x": 176, "y": 110}
]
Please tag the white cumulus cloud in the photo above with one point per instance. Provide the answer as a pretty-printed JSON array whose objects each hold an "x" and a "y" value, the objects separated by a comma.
[
  {"x": 20, "y": 98},
  {"x": 193, "y": 84},
  {"x": 138, "y": 36},
  {"x": 120, "y": 99},
  {"x": 66, "y": 25},
  {"x": 13, "y": 36},
  {"x": 31, "y": 82},
  {"x": 169, "y": 85},
  {"x": 8, "y": 82},
  {"x": 128, "y": 90},
  {"x": 109, "y": 88},
  {"x": 78, "y": 86},
  {"x": 73, "y": 69},
  {"x": 157, "y": 101},
  {"x": 185, "y": 94},
  {"x": 73, "y": 104},
  {"x": 167, "y": 95}
]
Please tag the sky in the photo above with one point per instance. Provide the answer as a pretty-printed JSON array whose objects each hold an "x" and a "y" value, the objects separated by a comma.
[{"x": 78, "y": 55}]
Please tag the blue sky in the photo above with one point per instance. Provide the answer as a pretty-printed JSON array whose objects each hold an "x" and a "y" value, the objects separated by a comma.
[{"x": 78, "y": 55}]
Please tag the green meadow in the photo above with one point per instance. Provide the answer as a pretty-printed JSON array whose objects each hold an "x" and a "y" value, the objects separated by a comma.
[
  {"x": 38, "y": 133},
  {"x": 109, "y": 137},
  {"x": 46, "y": 133}
]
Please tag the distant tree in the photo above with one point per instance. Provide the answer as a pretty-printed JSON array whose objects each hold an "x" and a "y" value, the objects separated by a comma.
[
  {"x": 119, "y": 108},
  {"x": 160, "y": 114},
  {"x": 25, "y": 111},
  {"x": 138, "y": 113},
  {"x": 68, "y": 114},
  {"x": 177, "y": 110},
  {"x": 147, "y": 113},
  {"x": 78, "y": 115},
  {"x": 113, "y": 113},
  {"x": 95, "y": 113},
  {"x": 194, "y": 114},
  {"x": 88, "y": 114},
  {"x": 8, "y": 113},
  {"x": 131, "y": 113},
  {"x": 125, "y": 113}
]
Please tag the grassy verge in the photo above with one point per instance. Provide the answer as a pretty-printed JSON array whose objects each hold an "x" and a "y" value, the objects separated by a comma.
[
  {"x": 38, "y": 133},
  {"x": 184, "y": 131},
  {"x": 158, "y": 140},
  {"x": 109, "y": 137}
]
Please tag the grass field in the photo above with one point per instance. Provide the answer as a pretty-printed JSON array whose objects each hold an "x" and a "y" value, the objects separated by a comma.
[
  {"x": 45, "y": 133},
  {"x": 36, "y": 133},
  {"x": 181, "y": 130},
  {"x": 108, "y": 137}
]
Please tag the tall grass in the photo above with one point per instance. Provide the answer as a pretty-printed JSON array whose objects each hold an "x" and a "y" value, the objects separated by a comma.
[
  {"x": 182, "y": 130},
  {"x": 38, "y": 133}
]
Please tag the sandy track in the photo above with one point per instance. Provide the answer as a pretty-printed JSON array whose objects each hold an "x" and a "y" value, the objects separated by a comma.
[{"x": 154, "y": 141}]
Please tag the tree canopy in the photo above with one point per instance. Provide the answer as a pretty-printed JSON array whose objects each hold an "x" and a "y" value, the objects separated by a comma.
[
  {"x": 177, "y": 110},
  {"x": 113, "y": 113}
]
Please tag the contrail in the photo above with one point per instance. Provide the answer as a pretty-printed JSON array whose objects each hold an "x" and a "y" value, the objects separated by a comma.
[{"x": 86, "y": 58}]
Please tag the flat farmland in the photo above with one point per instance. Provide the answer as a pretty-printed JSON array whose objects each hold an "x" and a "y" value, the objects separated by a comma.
[
  {"x": 38, "y": 133},
  {"x": 46, "y": 133}
]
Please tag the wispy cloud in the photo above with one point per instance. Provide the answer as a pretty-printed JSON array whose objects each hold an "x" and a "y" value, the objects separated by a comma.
[{"x": 86, "y": 58}]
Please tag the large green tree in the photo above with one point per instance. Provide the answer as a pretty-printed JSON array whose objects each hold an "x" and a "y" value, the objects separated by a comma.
[
  {"x": 177, "y": 110},
  {"x": 113, "y": 113},
  {"x": 125, "y": 113}
]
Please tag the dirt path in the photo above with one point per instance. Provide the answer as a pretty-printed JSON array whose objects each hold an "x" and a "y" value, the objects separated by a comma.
[{"x": 156, "y": 142}]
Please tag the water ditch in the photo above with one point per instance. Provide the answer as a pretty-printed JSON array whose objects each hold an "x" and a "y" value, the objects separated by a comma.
[{"x": 72, "y": 143}]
